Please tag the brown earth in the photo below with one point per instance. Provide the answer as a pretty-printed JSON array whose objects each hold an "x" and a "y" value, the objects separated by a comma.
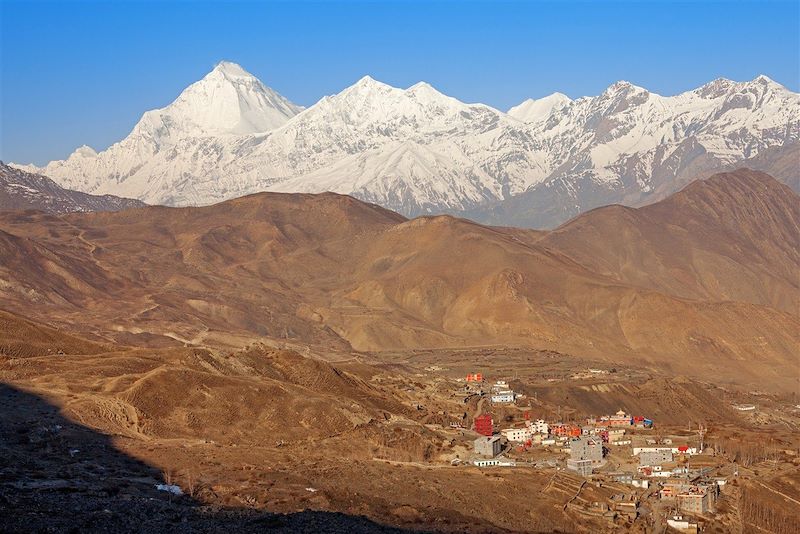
[
  {"x": 704, "y": 283},
  {"x": 251, "y": 431},
  {"x": 260, "y": 437},
  {"x": 732, "y": 237}
]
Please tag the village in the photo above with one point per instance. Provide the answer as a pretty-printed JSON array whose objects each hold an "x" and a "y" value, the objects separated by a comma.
[
  {"x": 618, "y": 466},
  {"x": 609, "y": 448}
]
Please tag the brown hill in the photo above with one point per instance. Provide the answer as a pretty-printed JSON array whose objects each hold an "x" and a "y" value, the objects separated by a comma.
[
  {"x": 632, "y": 286},
  {"x": 252, "y": 396},
  {"x": 23, "y": 338},
  {"x": 734, "y": 236}
]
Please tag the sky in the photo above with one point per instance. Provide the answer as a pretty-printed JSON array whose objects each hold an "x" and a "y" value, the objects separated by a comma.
[{"x": 83, "y": 72}]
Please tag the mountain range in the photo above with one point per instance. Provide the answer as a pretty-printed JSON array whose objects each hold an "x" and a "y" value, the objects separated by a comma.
[
  {"x": 417, "y": 151},
  {"x": 702, "y": 282}
]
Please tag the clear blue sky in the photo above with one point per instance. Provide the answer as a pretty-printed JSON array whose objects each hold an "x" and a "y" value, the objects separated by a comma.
[{"x": 84, "y": 72}]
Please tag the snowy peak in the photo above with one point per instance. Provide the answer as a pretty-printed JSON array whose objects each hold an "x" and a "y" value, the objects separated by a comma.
[
  {"x": 722, "y": 87},
  {"x": 715, "y": 88},
  {"x": 417, "y": 150},
  {"x": 424, "y": 90},
  {"x": 623, "y": 91},
  {"x": 228, "y": 100},
  {"x": 231, "y": 71},
  {"x": 85, "y": 151},
  {"x": 766, "y": 80},
  {"x": 535, "y": 110},
  {"x": 365, "y": 88},
  {"x": 373, "y": 107}
]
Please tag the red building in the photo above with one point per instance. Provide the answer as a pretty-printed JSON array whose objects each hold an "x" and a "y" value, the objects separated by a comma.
[
  {"x": 484, "y": 424},
  {"x": 566, "y": 430}
]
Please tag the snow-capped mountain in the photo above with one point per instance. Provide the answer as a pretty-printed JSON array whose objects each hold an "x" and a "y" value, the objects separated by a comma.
[
  {"x": 633, "y": 147},
  {"x": 418, "y": 151},
  {"x": 535, "y": 110},
  {"x": 169, "y": 147}
]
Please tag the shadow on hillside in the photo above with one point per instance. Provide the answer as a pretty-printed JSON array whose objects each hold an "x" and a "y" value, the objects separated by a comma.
[{"x": 59, "y": 476}]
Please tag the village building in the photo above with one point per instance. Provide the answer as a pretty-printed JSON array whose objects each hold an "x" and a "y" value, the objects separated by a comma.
[
  {"x": 679, "y": 523},
  {"x": 517, "y": 435},
  {"x": 695, "y": 500},
  {"x": 539, "y": 426},
  {"x": 484, "y": 424},
  {"x": 655, "y": 457},
  {"x": 503, "y": 397},
  {"x": 500, "y": 384},
  {"x": 488, "y": 446},
  {"x": 562, "y": 430},
  {"x": 626, "y": 505},
  {"x": 670, "y": 490},
  {"x": 582, "y": 467},
  {"x": 615, "y": 434},
  {"x": 638, "y": 450},
  {"x": 494, "y": 462},
  {"x": 680, "y": 449},
  {"x": 587, "y": 448},
  {"x": 618, "y": 419},
  {"x": 641, "y": 422}
]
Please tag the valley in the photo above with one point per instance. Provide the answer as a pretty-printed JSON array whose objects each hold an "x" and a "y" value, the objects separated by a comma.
[
  {"x": 399, "y": 266},
  {"x": 264, "y": 436},
  {"x": 300, "y": 360}
]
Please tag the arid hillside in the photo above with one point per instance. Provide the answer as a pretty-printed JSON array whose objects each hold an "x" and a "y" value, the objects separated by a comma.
[
  {"x": 734, "y": 236},
  {"x": 703, "y": 282},
  {"x": 249, "y": 435}
]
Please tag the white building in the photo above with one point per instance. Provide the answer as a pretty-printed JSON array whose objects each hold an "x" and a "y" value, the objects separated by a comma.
[
  {"x": 674, "y": 450},
  {"x": 495, "y": 462},
  {"x": 639, "y": 450},
  {"x": 500, "y": 385},
  {"x": 539, "y": 426},
  {"x": 503, "y": 397},
  {"x": 679, "y": 523},
  {"x": 520, "y": 435}
]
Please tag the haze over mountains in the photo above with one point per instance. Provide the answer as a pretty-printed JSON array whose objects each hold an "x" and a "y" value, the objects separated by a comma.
[
  {"x": 417, "y": 151},
  {"x": 704, "y": 281}
]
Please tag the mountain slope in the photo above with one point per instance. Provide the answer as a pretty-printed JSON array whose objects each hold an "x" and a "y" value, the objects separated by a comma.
[
  {"x": 418, "y": 151},
  {"x": 734, "y": 236},
  {"x": 332, "y": 271},
  {"x": 20, "y": 190}
]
